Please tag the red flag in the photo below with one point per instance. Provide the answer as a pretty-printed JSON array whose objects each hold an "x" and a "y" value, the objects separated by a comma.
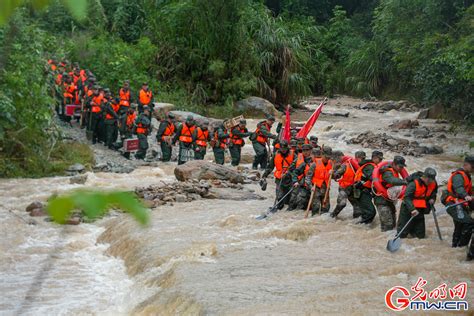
[
  {"x": 286, "y": 135},
  {"x": 304, "y": 131}
]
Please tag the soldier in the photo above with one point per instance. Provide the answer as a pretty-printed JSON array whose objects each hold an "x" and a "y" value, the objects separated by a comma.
[
  {"x": 294, "y": 146},
  {"x": 143, "y": 129},
  {"x": 184, "y": 134},
  {"x": 281, "y": 163},
  {"x": 96, "y": 113},
  {"x": 299, "y": 170},
  {"x": 363, "y": 187},
  {"x": 219, "y": 143},
  {"x": 129, "y": 126},
  {"x": 145, "y": 98},
  {"x": 237, "y": 135},
  {"x": 164, "y": 136},
  {"x": 420, "y": 196},
  {"x": 111, "y": 117},
  {"x": 202, "y": 138},
  {"x": 260, "y": 142},
  {"x": 318, "y": 180},
  {"x": 459, "y": 190},
  {"x": 313, "y": 140},
  {"x": 389, "y": 177},
  {"x": 345, "y": 175}
]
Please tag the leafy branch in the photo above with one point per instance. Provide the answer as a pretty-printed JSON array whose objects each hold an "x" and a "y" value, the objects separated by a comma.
[{"x": 96, "y": 204}]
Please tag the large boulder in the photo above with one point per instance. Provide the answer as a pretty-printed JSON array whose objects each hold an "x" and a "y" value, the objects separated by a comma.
[
  {"x": 404, "y": 124},
  {"x": 180, "y": 116},
  {"x": 256, "y": 105},
  {"x": 204, "y": 170},
  {"x": 161, "y": 109},
  {"x": 434, "y": 112}
]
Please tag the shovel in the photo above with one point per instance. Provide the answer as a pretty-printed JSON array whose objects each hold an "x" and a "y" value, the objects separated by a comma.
[
  {"x": 395, "y": 243},
  {"x": 273, "y": 209},
  {"x": 433, "y": 210}
]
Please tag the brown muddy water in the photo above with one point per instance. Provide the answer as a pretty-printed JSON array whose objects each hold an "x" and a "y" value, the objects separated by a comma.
[{"x": 213, "y": 257}]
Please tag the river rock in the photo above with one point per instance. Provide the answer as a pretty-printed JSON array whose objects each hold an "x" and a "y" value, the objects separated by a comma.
[
  {"x": 161, "y": 109},
  {"x": 79, "y": 179},
  {"x": 234, "y": 195},
  {"x": 34, "y": 205},
  {"x": 75, "y": 169},
  {"x": 336, "y": 113},
  {"x": 181, "y": 198},
  {"x": 73, "y": 221},
  {"x": 404, "y": 124},
  {"x": 38, "y": 212},
  {"x": 257, "y": 105},
  {"x": 204, "y": 170},
  {"x": 434, "y": 112}
]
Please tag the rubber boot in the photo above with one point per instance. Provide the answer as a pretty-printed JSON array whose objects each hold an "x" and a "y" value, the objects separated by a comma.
[{"x": 336, "y": 211}]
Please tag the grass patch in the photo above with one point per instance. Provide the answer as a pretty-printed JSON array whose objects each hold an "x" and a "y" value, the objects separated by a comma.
[{"x": 33, "y": 165}]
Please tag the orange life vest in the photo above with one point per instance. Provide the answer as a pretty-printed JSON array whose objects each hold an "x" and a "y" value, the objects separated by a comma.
[
  {"x": 467, "y": 186},
  {"x": 202, "y": 137},
  {"x": 299, "y": 162},
  {"x": 145, "y": 97},
  {"x": 237, "y": 140},
  {"x": 131, "y": 118},
  {"x": 69, "y": 90},
  {"x": 282, "y": 164},
  {"x": 124, "y": 97},
  {"x": 59, "y": 79},
  {"x": 96, "y": 103},
  {"x": 76, "y": 78},
  {"x": 187, "y": 134},
  {"x": 53, "y": 66},
  {"x": 169, "y": 130},
  {"x": 115, "y": 107},
  {"x": 385, "y": 184},
  {"x": 141, "y": 129},
  {"x": 321, "y": 172},
  {"x": 360, "y": 173},
  {"x": 347, "y": 178},
  {"x": 222, "y": 143},
  {"x": 422, "y": 192},
  {"x": 260, "y": 137}
]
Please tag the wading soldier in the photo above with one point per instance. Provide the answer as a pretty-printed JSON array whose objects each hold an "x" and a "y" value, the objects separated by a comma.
[
  {"x": 143, "y": 129},
  {"x": 237, "y": 135},
  {"x": 164, "y": 136},
  {"x": 389, "y": 177},
  {"x": 202, "y": 138},
  {"x": 260, "y": 142},
  {"x": 363, "y": 187},
  {"x": 219, "y": 144},
  {"x": 318, "y": 180},
  {"x": 460, "y": 190},
  {"x": 281, "y": 163},
  {"x": 111, "y": 118},
  {"x": 184, "y": 134},
  {"x": 420, "y": 196},
  {"x": 299, "y": 170}
]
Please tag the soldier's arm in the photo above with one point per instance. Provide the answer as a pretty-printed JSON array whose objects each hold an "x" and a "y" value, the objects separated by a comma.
[
  {"x": 292, "y": 170},
  {"x": 237, "y": 132},
  {"x": 339, "y": 172},
  {"x": 309, "y": 177},
  {"x": 458, "y": 186},
  {"x": 390, "y": 179},
  {"x": 409, "y": 195},
  {"x": 265, "y": 132},
  {"x": 433, "y": 194},
  {"x": 178, "y": 132},
  {"x": 161, "y": 130},
  {"x": 269, "y": 168},
  {"x": 367, "y": 173},
  {"x": 221, "y": 135}
]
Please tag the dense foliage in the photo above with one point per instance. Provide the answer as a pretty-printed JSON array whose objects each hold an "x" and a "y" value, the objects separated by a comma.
[{"x": 210, "y": 53}]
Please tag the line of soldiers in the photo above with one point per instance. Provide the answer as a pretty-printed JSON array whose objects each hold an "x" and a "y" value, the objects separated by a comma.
[{"x": 307, "y": 172}]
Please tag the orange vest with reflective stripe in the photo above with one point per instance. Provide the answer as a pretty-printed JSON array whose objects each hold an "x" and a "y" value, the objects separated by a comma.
[
  {"x": 237, "y": 140},
  {"x": 321, "y": 172},
  {"x": 131, "y": 118},
  {"x": 221, "y": 142},
  {"x": 422, "y": 192},
  {"x": 69, "y": 90},
  {"x": 124, "y": 97},
  {"x": 96, "y": 104},
  {"x": 359, "y": 173},
  {"x": 299, "y": 162},
  {"x": 467, "y": 186},
  {"x": 59, "y": 79},
  {"x": 202, "y": 137},
  {"x": 187, "y": 134},
  {"x": 385, "y": 184},
  {"x": 169, "y": 130},
  {"x": 115, "y": 107},
  {"x": 145, "y": 97},
  {"x": 347, "y": 178},
  {"x": 141, "y": 129},
  {"x": 260, "y": 137},
  {"x": 282, "y": 164}
]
